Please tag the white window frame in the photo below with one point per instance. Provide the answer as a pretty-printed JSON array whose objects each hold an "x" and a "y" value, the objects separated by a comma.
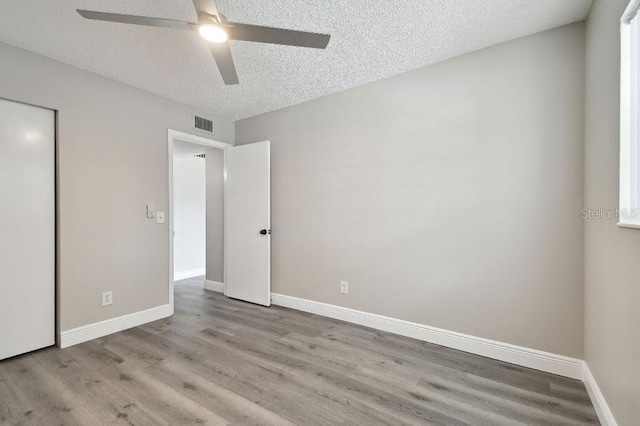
[{"x": 629, "y": 208}]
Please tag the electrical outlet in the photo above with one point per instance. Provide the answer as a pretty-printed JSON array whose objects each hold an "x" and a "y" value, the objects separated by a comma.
[
  {"x": 151, "y": 212},
  {"x": 107, "y": 298},
  {"x": 344, "y": 287}
]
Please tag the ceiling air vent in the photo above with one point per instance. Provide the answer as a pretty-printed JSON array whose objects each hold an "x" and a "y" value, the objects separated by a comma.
[{"x": 204, "y": 124}]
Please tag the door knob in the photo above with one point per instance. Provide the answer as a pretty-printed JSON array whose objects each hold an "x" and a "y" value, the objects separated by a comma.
[{"x": 265, "y": 232}]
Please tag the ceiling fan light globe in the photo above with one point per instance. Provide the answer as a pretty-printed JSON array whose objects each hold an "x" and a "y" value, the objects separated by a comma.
[{"x": 213, "y": 33}]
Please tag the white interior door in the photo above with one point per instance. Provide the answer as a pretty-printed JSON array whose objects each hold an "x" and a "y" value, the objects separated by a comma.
[
  {"x": 248, "y": 223},
  {"x": 27, "y": 228}
]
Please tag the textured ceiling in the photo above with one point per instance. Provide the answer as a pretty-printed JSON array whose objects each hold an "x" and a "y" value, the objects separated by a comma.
[{"x": 371, "y": 40}]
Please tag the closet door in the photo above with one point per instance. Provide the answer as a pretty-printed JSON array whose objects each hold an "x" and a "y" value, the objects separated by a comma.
[{"x": 27, "y": 228}]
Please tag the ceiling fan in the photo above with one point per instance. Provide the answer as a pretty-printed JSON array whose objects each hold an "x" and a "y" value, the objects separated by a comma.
[{"x": 214, "y": 27}]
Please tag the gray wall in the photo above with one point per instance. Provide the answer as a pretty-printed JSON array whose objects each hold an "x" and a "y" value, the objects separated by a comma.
[
  {"x": 112, "y": 162},
  {"x": 449, "y": 196},
  {"x": 612, "y": 277},
  {"x": 215, "y": 214}
]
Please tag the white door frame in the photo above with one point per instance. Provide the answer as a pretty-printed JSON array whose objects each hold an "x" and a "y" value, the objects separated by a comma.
[{"x": 187, "y": 137}]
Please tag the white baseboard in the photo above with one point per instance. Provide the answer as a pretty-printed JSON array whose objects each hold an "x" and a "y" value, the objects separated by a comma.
[
  {"x": 519, "y": 355},
  {"x": 103, "y": 328},
  {"x": 599, "y": 403},
  {"x": 214, "y": 286},
  {"x": 183, "y": 275}
]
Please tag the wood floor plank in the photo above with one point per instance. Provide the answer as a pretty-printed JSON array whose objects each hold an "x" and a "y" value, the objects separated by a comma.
[
  {"x": 220, "y": 361},
  {"x": 88, "y": 386}
]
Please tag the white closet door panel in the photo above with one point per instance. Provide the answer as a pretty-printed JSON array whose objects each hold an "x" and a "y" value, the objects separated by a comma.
[{"x": 27, "y": 228}]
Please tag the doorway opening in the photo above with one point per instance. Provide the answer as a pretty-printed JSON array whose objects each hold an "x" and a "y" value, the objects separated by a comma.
[
  {"x": 189, "y": 210},
  {"x": 196, "y": 211}
]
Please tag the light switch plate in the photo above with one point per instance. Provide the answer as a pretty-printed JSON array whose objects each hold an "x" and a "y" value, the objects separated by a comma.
[
  {"x": 159, "y": 217},
  {"x": 150, "y": 211}
]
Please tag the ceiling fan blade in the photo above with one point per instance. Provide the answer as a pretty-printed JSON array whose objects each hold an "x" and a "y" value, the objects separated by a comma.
[
  {"x": 206, "y": 6},
  {"x": 135, "y": 20},
  {"x": 222, "y": 55},
  {"x": 256, "y": 33}
]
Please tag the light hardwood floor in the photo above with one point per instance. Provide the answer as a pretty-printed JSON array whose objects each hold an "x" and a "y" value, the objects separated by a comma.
[{"x": 221, "y": 361}]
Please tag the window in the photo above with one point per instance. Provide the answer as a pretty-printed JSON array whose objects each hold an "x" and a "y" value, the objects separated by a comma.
[{"x": 629, "y": 213}]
